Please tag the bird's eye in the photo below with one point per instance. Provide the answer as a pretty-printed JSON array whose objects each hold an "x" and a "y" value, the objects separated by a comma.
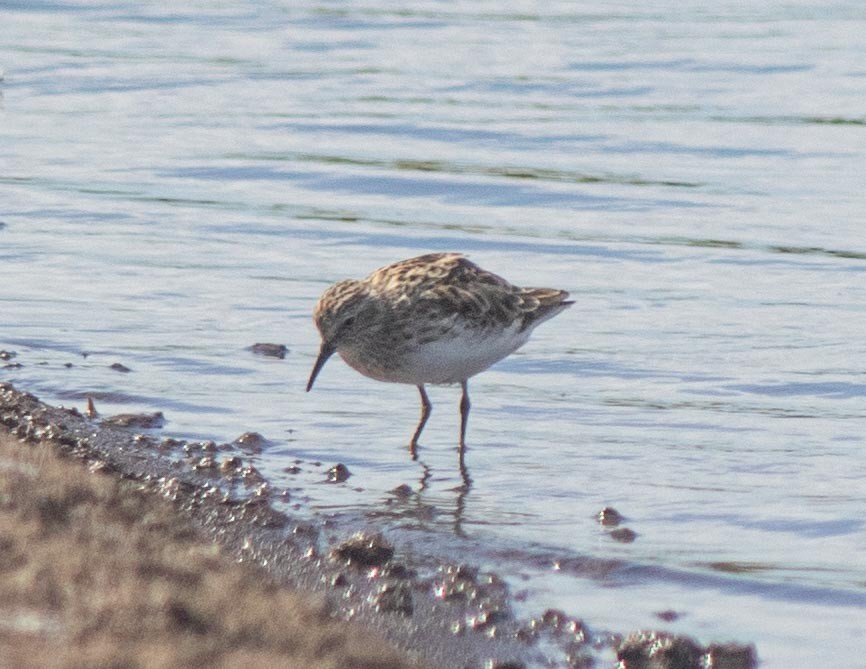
[{"x": 349, "y": 322}]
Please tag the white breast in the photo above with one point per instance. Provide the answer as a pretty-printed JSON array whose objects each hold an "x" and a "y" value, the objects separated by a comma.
[{"x": 459, "y": 355}]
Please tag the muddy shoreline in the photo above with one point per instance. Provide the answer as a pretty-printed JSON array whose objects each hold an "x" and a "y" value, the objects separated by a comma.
[{"x": 441, "y": 612}]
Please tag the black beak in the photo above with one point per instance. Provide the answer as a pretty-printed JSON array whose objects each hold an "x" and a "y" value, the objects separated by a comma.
[{"x": 325, "y": 352}]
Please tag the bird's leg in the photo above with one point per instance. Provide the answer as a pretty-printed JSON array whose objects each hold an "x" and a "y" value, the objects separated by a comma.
[
  {"x": 425, "y": 414},
  {"x": 464, "y": 415}
]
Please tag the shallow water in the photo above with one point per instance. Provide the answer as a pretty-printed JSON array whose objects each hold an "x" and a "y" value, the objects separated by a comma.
[{"x": 178, "y": 184}]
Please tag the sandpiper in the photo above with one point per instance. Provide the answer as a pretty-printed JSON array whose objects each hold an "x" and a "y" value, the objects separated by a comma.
[{"x": 437, "y": 318}]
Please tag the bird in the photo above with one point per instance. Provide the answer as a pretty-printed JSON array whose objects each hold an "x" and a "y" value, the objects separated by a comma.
[{"x": 437, "y": 318}]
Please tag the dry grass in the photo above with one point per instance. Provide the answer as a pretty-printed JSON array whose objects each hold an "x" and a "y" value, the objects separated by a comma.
[{"x": 95, "y": 572}]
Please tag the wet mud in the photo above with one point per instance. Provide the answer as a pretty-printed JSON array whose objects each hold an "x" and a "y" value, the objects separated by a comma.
[{"x": 448, "y": 614}]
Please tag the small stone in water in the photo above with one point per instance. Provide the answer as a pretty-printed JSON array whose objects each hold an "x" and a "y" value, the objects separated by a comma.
[
  {"x": 338, "y": 473},
  {"x": 609, "y": 517},
  {"x": 270, "y": 350},
  {"x": 402, "y": 491},
  {"x": 623, "y": 535},
  {"x": 251, "y": 441}
]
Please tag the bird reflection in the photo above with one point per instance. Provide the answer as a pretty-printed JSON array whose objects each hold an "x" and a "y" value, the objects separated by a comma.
[{"x": 462, "y": 490}]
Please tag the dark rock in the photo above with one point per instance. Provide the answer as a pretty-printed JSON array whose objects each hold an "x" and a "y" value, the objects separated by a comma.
[
  {"x": 463, "y": 583},
  {"x": 252, "y": 476},
  {"x": 554, "y": 619},
  {"x": 252, "y": 441},
  {"x": 338, "y": 473},
  {"x": 657, "y": 650},
  {"x": 402, "y": 491},
  {"x": 623, "y": 535},
  {"x": 365, "y": 550},
  {"x": 207, "y": 463},
  {"x": 488, "y": 617},
  {"x": 397, "y": 598},
  {"x": 731, "y": 656},
  {"x": 270, "y": 350},
  {"x": 231, "y": 465},
  {"x": 609, "y": 517}
]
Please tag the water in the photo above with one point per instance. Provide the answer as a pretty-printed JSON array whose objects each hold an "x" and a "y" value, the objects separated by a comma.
[{"x": 180, "y": 183}]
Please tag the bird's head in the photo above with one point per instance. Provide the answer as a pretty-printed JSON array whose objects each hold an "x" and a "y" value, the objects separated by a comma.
[{"x": 343, "y": 314}]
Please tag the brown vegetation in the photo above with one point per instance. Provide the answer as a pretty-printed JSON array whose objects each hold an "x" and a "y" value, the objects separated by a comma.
[{"x": 96, "y": 572}]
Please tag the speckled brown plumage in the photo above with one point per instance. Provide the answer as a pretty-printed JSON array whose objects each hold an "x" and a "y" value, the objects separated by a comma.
[{"x": 436, "y": 318}]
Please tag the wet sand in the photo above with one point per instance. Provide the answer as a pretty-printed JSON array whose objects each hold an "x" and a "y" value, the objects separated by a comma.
[{"x": 123, "y": 549}]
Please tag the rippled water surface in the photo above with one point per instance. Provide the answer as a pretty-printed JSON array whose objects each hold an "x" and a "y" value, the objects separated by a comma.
[{"x": 178, "y": 182}]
